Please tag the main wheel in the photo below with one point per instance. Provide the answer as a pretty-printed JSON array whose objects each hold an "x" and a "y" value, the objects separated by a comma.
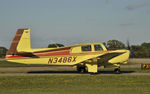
[
  {"x": 79, "y": 69},
  {"x": 82, "y": 69}
]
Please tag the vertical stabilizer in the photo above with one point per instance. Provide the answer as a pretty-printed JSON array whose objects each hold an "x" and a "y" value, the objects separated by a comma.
[{"x": 21, "y": 42}]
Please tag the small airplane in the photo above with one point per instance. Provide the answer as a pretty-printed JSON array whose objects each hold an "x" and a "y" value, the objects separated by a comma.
[{"x": 85, "y": 57}]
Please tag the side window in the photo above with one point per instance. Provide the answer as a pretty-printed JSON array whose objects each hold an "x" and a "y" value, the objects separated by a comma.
[
  {"x": 86, "y": 48},
  {"x": 98, "y": 48}
]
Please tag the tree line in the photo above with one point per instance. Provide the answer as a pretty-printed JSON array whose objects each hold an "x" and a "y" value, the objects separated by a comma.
[
  {"x": 3, "y": 51},
  {"x": 137, "y": 51}
]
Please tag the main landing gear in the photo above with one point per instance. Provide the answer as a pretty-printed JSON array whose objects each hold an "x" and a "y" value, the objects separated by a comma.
[{"x": 82, "y": 69}]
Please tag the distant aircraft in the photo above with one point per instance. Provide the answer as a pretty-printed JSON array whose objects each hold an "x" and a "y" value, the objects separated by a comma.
[{"x": 85, "y": 56}]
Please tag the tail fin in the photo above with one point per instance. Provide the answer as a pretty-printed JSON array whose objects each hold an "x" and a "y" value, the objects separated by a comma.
[{"x": 21, "y": 42}]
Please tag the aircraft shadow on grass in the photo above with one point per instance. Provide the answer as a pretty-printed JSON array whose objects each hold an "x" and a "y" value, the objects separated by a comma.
[{"x": 75, "y": 72}]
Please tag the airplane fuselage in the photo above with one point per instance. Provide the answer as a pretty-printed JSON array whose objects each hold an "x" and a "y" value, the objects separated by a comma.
[{"x": 91, "y": 55}]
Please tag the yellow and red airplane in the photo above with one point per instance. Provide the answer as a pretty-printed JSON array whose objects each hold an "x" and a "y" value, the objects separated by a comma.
[{"x": 86, "y": 56}]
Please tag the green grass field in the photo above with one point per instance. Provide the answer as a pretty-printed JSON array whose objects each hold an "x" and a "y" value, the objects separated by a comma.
[
  {"x": 72, "y": 84},
  {"x": 5, "y": 64},
  {"x": 75, "y": 84}
]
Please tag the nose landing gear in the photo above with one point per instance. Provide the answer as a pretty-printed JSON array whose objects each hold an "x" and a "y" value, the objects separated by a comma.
[{"x": 117, "y": 70}]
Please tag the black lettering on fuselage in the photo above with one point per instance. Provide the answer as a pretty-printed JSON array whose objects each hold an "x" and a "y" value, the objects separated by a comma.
[{"x": 62, "y": 59}]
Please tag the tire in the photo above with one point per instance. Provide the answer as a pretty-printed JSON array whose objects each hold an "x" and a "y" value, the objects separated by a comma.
[
  {"x": 117, "y": 70},
  {"x": 82, "y": 69},
  {"x": 79, "y": 69}
]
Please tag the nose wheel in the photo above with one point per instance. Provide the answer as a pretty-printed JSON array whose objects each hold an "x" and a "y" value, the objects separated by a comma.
[{"x": 117, "y": 70}]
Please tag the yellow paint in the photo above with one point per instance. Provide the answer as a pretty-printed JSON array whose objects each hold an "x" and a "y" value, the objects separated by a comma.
[
  {"x": 92, "y": 68},
  {"x": 87, "y": 58},
  {"x": 121, "y": 58},
  {"x": 25, "y": 42}
]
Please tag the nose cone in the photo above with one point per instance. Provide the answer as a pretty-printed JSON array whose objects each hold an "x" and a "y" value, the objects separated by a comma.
[{"x": 122, "y": 58}]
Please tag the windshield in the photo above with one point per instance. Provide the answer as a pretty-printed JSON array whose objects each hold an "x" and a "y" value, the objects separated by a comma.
[{"x": 98, "y": 48}]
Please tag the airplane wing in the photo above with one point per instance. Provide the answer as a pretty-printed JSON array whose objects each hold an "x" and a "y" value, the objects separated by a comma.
[{"x": 106, "y": 57}]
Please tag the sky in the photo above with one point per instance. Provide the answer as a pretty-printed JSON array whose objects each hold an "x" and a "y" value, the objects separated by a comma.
[{"x": 75, "y": 21}]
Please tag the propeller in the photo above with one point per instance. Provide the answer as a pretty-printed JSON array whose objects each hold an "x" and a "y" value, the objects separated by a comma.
[
  {"x": 129, "y": 48},
  {"x": 128, "y": 45}
]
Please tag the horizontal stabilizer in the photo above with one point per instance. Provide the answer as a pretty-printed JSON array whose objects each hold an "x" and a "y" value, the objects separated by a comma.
[{"x": 27, "y": 54}]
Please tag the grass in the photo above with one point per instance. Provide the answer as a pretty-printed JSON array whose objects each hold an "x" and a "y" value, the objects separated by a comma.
[
  {"x": 75, "y": 84},
  {"x": 105, "y": 71},
  {"x": 126, "y": 70},
  {"x": 72, "y": 84},
  {"x": 131, "y": 63},
  {"x": 5, "y": 64}
]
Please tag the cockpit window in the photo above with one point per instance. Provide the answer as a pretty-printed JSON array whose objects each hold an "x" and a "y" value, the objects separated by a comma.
[
  {"x": 86, "y": 48},
  {"x": 98, "y": 48}
]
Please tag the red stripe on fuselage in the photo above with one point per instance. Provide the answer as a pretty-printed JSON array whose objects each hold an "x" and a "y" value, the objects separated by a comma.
[
  {"x": 46, "y": 54},
  {"x": 7, "y": 57},
  {"x": 55, "y": 53},
  {"x": 58, "y": 49}
]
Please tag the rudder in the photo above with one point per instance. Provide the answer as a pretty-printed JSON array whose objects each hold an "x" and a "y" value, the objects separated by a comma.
[{"x": 21, "y": 42}]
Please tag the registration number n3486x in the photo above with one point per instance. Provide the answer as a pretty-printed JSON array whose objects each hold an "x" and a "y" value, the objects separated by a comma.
[{"x": 62, "y": 59}]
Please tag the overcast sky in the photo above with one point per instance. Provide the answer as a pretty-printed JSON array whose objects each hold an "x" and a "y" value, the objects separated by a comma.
[{"x": 75, "y": 21}]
